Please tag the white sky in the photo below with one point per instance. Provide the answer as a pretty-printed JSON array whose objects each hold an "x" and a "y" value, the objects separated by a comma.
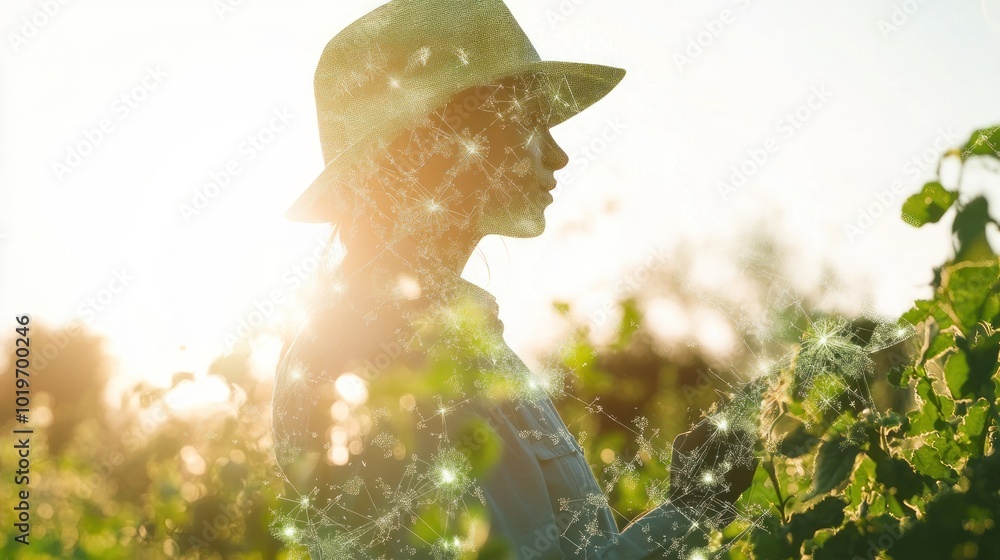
[{"x": 682, "y": 130}]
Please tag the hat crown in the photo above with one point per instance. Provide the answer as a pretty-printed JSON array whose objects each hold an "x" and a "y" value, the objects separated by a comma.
[{"x": 410, "y": 54}]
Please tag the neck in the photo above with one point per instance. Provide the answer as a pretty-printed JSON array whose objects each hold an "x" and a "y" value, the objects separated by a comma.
[{"x": 436, "y": 264}]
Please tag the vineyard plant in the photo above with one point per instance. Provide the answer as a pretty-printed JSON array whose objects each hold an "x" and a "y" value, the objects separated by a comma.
[{"x": 839, "y": 478}]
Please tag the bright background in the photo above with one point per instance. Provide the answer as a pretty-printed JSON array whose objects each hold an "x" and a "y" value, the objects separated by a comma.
[{"x": 652, "y": 190}]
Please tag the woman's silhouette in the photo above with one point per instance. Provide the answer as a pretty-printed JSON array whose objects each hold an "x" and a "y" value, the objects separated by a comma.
[{"x": 404, "y": 425}]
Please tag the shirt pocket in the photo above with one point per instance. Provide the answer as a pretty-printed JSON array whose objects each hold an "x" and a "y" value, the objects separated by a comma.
[
  {"x": 567, "y": 474},
  {"x": 554, "y": 446}
]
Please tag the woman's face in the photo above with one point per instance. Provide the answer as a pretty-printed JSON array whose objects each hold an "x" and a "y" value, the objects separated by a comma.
[
  {"x": 514, "y": 157},
  {"x": 487, "y": 163}
]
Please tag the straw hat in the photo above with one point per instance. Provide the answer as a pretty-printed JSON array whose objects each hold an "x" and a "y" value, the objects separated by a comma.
[{"x": 387, "y": 71}]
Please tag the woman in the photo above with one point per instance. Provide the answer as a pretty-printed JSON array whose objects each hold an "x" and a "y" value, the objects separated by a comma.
[{"x": 404, "y": 425}]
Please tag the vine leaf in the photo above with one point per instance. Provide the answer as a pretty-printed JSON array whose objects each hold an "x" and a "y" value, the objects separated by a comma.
[
  {"x": 967, "y": 286},
  {"x": 928, "y": 205},
  {"x": 896, "y": 473},
  {"x": 985, "y": 142},
  {"x": 927, "y": 460},
  {"x": 942, "y": 342},
  {"x": 971, "y": 430},
  {"x": 826, "y": 514},
  {"x": 956, "y": 372},
  {"x": 970, "y": 231},
  {"x": 834, "y": 463},
  {"x": 797, "y": 443}
]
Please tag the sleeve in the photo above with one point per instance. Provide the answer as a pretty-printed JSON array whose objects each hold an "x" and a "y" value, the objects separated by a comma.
[
  {"x": 679, "y": 527},
  {"x": 665, "y": 532},
  {"x": 570, "y": 515}
]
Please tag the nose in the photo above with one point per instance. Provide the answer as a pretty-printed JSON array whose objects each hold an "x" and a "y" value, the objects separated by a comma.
[{"x": 553, "y": 156}]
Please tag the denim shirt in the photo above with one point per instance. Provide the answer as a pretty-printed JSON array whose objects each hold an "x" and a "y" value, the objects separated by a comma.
[{"x": 541, "y": 496}]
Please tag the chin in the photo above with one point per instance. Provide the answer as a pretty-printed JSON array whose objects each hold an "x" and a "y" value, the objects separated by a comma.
[
  {"x": 527, "y": 227},
  {"x": 519, "y": 227}
]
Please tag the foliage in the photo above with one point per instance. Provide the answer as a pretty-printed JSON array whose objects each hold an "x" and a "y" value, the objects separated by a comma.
[
  {"x": 923, "y": 483},
  {"x": 871, "y": 448},
  {"x": 143, "y": 480}
]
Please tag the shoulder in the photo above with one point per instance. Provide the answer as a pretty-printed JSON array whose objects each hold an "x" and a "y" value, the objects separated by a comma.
[{"x": 336, "y": 334}]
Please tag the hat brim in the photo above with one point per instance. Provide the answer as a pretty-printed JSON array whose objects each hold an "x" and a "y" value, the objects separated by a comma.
[{"x": 573, "y": 87}]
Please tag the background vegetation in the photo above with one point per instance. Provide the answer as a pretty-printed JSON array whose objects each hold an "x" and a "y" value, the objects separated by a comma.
[{"x": 872, "y": 446}]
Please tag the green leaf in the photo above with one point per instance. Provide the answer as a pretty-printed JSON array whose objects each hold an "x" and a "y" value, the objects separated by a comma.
[
  {"x": 827, "y": 513},
  {"x": 966, "y": 286},
  {"x": 932, "y": 410},
  {"x": 834, "y": 463},
  {"x": 896, "y": 473},
  {"x": 860, "y": 485},
  {"x": 970, "y": 231},
  {"x": 984, "y": 338},
  {"x": 938, "y": 312},
  {"x": 928, "y": 205},
  {"x": 942, "y": 342},
  {"x": 845, "y": 543},
  {"x": 971, "y": 431},
  {"x": 956, "y": 372},
  {"x": 797, "y": 443},
  {"x": 920, "y": 312},
  {"x": 892, "y": 420},
  {"x": 770, "y": 545},
  {"x": 927, "y": 460},
  {"x": 985, "y": 142},
  {"x": 900, "y": 375},
  {"x": 949, "y": 451}
]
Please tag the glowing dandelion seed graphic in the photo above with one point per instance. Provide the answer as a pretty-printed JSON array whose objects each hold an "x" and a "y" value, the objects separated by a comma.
[
  {"x": 721, "y": 423},
  {"x": 447, "y": 477}
]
